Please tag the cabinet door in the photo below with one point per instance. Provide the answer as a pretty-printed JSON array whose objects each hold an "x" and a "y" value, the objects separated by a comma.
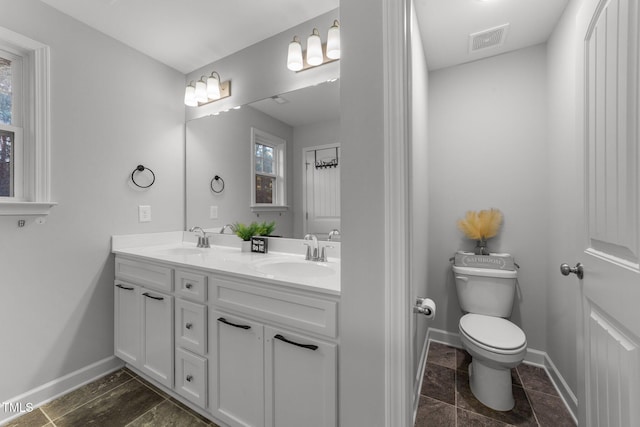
[
  {"x": 127, "y": 322},
  {"x": 157, "y": 336},
  {"x": 300, "y": 380},
  {"x": 236, "y": 374}
]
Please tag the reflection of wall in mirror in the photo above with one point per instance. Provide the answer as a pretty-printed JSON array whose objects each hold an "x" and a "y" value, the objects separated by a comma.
[{"x": 220, "y": 145}]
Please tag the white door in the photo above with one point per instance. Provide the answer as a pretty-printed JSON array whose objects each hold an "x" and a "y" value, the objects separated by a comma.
[
  {"x": 608, "y": 350},
  {"x": 322, "y": 190}
]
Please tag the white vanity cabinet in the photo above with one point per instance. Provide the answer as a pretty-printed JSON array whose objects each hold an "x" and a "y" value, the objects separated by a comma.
[
  {"x": 264, "y": 374},
  {"x": 143, "y": 318},
  {"x": 191, "y": 336},
  {"x": 249, "y": 351},
  {"x": 156, "y": 337}
]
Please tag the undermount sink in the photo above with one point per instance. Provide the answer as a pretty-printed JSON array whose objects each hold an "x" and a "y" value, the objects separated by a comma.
[
  {"x": 294, "y": 268},
  {"x": 182, "y": 251}
]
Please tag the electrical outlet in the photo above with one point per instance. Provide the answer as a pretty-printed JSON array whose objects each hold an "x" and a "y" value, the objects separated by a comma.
[
  {"x": 213, "y": 212},
  {"x": 144, "y": 213}
]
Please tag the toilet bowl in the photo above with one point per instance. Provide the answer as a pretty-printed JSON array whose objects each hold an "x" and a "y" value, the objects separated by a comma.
[{"x": 496, "y": 345}]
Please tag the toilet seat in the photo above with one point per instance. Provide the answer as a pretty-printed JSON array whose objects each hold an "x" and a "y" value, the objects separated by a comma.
[{"x": 493, "y": 334}]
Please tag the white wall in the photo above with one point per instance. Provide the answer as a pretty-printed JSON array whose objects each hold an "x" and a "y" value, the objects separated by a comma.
[
  {"x": 362, "y": 384},
  {"x": 562, "y": 294},
  {"x": 488, "y": 148},
  {"x": 107, "y": 116},
  {"x": 419, "y": 187},
  {"x": 221, "y": 145},
  {"x": 315, "y": 134}
]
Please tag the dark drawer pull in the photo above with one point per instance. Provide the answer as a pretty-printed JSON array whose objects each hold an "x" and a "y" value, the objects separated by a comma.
[
  {"x": 188, "y": 286},
  {"x": 226, "y": 322},
  {"x": 126, "y": 288},
  {"x": 309, "y": 346},
  {"x": 146, "y": 294}
]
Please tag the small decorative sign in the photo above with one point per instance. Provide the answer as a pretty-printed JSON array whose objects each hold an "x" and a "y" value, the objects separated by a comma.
[{"x": 260, "y": 245}]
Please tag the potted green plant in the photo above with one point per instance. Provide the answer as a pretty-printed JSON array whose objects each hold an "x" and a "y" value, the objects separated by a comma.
[
  {"x": 265, "y": 228},
  {"x": 246, "y": 232}
]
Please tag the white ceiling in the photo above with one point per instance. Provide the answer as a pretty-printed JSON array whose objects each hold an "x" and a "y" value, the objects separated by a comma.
[
  {"x": 446, "y": 24},
  {"x": 189, "y": 34}
]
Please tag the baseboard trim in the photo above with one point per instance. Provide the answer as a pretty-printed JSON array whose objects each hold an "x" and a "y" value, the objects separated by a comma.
[
  {"x": 533, "y": 357},
  {"x": 60, "y": 386},
  {"x": 420, "y": 376}
]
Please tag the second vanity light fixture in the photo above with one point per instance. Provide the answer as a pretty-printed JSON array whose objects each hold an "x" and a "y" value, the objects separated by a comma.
[
  {"x": 314, "y": 53},
  {"x": 206, "y": 90}
]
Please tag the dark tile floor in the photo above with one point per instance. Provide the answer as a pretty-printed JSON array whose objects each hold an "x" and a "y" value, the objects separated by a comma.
[
  {"x": 446, "y": 398},
  {"x": 118, "y": 399}
]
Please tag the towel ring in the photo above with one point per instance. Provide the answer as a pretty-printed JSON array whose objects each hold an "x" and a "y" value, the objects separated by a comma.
[
  {"x": 220, "y": 183},
  {"x": 141, "y": 168}
]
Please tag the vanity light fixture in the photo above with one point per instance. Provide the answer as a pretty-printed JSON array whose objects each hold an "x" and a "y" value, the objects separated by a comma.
[
  {"x": 190, "y": 95},
  {"x": 314, "y": 48},
  {"x": 206, "y": 90},
  {"x": 316, "y": 53},
  {"x": 333, "y": 41}
]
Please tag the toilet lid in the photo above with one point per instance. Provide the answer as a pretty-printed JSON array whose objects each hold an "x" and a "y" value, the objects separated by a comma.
[{"x": 494, "y": 332}]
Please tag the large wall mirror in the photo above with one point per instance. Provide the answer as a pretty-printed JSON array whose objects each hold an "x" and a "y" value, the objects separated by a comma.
[{"x": 221, "y": 146}]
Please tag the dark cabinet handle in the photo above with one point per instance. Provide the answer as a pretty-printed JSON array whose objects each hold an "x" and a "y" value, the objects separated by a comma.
[
  {"x": 189, "y": 378},
  {"x": 188, "y": 325},
  {"x": 309, "y": 346},
  {"x": 126, "y": 288},
  {"x": 188, "y": 286},
  {"x": 226, "y": 322},
  {"x": 146, "y": 294}
]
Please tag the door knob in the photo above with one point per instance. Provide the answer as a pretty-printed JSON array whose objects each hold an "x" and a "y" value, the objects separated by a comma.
[{"x": 578, "y": 270}]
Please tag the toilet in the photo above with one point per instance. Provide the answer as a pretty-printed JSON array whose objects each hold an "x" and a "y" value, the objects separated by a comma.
[{"x": 495, "y": 344}]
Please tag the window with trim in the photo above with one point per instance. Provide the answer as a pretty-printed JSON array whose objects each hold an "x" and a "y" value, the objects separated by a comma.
[
  {"x": 268, "y": 160},
  {"x": 24, "y": 126}
]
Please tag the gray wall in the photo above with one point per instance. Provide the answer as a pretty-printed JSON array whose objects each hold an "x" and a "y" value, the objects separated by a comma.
[
  {"x": 220, "y": 145},
  {"x": 419, "y": 186},
  {"x": 488, "y": 148},
  {"x": 563, "y": 295},
  {"x": 107, "y": 116}
]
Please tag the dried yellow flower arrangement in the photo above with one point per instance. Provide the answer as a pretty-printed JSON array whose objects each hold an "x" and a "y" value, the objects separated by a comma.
[{"x": 481, "y": 226}]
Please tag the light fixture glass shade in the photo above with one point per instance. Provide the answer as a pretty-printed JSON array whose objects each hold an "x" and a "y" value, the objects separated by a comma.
[
  {"x": 333, "y": 41},
  {"x": 294, "y": 57},
  {"x": 190, "y": 96},
  {"x": 213, "y": 86},
  {"x": 201, "y": 91},
  {"x": 314, "y": 49}
]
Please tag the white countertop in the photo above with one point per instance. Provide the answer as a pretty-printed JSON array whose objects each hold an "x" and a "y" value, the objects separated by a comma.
[{"x": 176, "y": 248}]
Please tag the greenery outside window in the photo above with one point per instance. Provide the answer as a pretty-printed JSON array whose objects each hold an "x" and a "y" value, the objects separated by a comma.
[{"x": 268, "y": 156}]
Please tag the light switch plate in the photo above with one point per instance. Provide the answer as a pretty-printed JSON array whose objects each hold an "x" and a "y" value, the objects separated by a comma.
[
  {"x": 213, "y": 212},
  {"x": 144, "y": 213}
]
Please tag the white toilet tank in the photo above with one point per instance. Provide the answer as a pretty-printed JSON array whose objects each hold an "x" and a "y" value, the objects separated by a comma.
[{"x": 485, "y": 291}]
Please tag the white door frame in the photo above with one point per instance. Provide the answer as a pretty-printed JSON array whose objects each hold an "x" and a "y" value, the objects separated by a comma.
[
  {"x": 398, "y": 369},
  {"x": 305, "y": 150}
]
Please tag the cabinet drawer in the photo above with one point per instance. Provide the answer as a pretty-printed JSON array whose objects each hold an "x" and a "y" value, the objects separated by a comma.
[
  {"x": 191, "y": 285},
  {"x": 191, "y": 377},
  {"x": 302, "y": 312},
  {"x": 146, "y": 274},
  {"x": 191, "y": 326}
]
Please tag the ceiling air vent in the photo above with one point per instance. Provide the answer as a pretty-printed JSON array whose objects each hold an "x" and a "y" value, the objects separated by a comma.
[{"x": 488, "y": 38}]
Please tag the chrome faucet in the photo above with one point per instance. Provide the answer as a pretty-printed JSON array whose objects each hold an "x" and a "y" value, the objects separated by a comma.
[
  {"x": 334, "y": 234},
  {"x": 203, "y": 241},
  {"x": 229, "y": 226},
  {"x": 312, "y": 252}
]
